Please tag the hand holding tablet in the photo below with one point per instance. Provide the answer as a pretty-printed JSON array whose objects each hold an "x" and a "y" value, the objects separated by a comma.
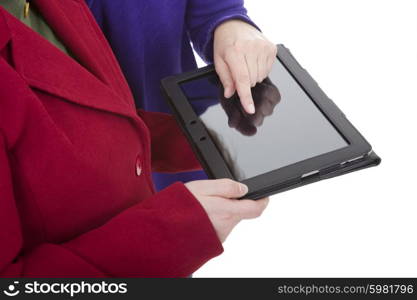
[
  {"x": 218, "y": 198},
  {"x": 297, "y": 135}
]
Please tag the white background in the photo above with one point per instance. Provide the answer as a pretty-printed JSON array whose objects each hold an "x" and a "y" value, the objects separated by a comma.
[{"x": 364, "y": 56}]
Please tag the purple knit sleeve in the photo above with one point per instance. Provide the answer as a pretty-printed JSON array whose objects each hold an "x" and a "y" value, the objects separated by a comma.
[{"x": 202, "y": 18}]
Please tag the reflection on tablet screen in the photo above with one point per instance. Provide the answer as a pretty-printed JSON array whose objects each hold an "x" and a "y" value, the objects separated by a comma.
[{"x": 286, "y": 128}]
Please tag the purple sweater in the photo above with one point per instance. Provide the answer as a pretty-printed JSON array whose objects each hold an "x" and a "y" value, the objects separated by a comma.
[{"x": 151, "y": 40}]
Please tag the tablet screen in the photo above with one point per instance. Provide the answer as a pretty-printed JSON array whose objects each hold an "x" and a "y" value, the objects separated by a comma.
[{"x": 287, "y": 127}]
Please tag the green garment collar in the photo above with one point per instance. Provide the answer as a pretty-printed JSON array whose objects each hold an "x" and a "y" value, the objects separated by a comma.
[{"x": 33, "y": 20}]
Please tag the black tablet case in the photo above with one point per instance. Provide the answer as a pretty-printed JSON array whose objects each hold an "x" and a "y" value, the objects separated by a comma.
[{"x": 369, "y": 160}]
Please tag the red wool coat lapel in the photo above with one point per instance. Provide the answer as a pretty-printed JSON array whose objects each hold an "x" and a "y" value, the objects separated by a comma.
[{"x": 92, "y": 82}]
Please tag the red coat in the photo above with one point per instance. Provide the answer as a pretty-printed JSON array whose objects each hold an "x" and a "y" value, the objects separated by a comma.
[{"x": 76, "y": 194}]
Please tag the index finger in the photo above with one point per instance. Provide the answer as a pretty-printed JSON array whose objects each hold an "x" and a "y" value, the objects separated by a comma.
[{"x": 240, "y": 73}]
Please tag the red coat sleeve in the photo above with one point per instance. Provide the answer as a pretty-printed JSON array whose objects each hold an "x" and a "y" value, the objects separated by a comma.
[
  {"x": 167, "y": 235},
  {"x": 171, "y": 151}
]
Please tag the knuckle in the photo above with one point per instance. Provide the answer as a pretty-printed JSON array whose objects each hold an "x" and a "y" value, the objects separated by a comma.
[
  {"x": 230, "y": 186},
  {"x": 259, "y": 210},
  {"x": 217, "y": 57},
  {"x": 244, "y": 78},
  {"x": 254, "y": 210},
  {"x": 259, "y": 45},
  {"x": 234, "y": 188},
  {"x": 227, "y": 82},
  {"x": 266, "y": 46},
  {"x": 231, "y": 48},
  {"x": 229, "y": 190},
  {"x": 253, "y": 45},
  {"x": 229, "y": 53},
  {"x": 263, "y": 206},
  {"x": 226, "y": 85},
  {"x": 239, "y": 47},
  {"x": 219, "y": 69}
]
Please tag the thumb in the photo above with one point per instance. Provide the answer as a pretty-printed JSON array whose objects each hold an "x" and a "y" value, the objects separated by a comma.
[{"x": 225, "y": 188}]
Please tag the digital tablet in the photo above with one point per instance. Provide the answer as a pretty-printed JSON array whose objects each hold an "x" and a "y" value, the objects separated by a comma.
[{"x": 296, "y": 136}]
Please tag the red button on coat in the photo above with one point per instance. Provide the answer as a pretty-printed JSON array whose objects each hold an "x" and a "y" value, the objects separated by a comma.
[{"x": 138, "y": 166}]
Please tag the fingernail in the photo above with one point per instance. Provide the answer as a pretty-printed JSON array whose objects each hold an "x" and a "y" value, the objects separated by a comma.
[
  {"x": 244, "y": 189},
  {"x": 227, "y": 93},
  {"x": 251, "y": 108}
]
